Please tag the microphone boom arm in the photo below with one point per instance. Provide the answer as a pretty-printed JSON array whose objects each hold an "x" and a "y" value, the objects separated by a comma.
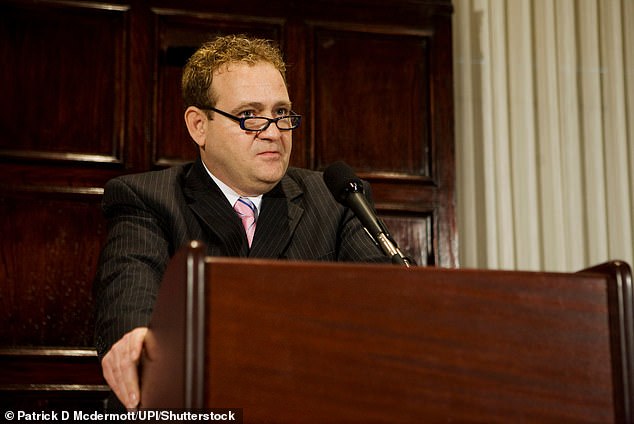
[{"x": 375, "y": 228}]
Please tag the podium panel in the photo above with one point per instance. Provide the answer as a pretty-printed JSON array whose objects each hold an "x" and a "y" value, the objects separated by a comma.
[{"x": 324, "y": 342}]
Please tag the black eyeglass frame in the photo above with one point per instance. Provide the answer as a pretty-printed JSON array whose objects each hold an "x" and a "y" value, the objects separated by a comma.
[{"x": 241, "y": 121}]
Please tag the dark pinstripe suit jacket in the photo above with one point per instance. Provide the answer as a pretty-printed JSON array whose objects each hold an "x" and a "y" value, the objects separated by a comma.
[{"x": 151, "y": 215}]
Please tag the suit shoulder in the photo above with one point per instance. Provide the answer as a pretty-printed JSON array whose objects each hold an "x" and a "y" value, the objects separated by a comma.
[
  {"x": 307, "y": 184},
  {"x": 152, "y": 179},
  {"x": 304, "y": 176},
  {"x": 313, "y": 181},
  {"x": 152, "y": 185}
]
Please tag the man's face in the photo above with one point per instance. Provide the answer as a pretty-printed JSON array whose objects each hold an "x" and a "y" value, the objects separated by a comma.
[{"x": 250, "y": 162}]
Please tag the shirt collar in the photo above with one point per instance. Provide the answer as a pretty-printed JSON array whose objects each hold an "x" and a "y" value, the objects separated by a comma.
[{"x": 229, "y": 193}]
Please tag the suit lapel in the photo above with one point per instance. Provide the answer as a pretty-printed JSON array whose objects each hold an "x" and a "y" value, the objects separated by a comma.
[
  {"x": 277, "y": 220},
  {"x": 206, "y": 200}
]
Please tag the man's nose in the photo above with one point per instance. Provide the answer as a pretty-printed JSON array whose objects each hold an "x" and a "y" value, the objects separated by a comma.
[{"x": 272, "y": 132}]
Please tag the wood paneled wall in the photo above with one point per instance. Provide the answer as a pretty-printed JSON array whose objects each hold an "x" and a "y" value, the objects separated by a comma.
[{"x": 91, "y": 90}]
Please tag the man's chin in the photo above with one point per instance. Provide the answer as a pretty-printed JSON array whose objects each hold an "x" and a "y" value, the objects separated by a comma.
[{"x": 269, "y": 178}]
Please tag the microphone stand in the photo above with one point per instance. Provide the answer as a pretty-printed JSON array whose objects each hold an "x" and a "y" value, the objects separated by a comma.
[
  {"x": 391, "y": 249},
  {"x": 377, "y": 231}
]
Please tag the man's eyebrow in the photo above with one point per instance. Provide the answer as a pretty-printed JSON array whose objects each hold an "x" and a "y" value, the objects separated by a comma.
[
  {"x": 247, "y": 105},
  {"x": 259, "y": 106},
  {"x": 284, "y": 104}
]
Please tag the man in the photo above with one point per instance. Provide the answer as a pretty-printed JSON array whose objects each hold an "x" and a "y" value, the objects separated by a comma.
[{"x": 239, "y": 114}]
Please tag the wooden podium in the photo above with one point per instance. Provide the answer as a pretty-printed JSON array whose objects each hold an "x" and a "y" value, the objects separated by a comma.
[{"x": 302, "y": 342}]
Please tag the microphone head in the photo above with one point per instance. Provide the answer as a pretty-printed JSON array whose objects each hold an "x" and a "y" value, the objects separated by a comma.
[{"x": 341, "y": 181}]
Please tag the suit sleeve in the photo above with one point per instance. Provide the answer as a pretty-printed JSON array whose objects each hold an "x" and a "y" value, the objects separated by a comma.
[{"x": 131, "y": 265}]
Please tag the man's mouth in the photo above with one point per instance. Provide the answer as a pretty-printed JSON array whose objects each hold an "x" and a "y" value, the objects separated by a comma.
[{"x": 270, "y": 154}]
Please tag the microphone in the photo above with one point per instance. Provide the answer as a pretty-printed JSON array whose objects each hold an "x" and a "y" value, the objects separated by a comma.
[{"x": 347, "y": 189}]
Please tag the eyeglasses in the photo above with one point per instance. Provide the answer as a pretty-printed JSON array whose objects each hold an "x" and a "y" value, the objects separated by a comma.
[{"x": 261, "y": 123}]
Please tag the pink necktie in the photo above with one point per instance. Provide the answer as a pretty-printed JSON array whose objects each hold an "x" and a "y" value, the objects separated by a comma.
[{"x": 246, "y": 210}]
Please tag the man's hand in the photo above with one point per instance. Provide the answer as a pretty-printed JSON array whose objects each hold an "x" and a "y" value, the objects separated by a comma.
[{"x": 120, "y": 367}]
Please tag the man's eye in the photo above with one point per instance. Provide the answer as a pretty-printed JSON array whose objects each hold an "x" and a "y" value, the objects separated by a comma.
[
  {"x": 247, "y": 114},
  {"x": 282, "y": 112}
]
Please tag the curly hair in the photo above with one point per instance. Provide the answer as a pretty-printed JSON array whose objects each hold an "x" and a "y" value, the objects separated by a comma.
[{"x": 198, "y": 72}]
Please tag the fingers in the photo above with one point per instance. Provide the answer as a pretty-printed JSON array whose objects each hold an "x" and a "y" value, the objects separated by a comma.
[{"x": 120, "y": 367}]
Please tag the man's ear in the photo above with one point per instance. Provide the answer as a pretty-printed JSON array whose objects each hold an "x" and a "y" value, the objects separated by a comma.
[{"x": 196, "y": 121}]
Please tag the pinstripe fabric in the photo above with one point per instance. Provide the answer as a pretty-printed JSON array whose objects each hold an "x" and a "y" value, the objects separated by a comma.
[{"x": 151, "y": 215}]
